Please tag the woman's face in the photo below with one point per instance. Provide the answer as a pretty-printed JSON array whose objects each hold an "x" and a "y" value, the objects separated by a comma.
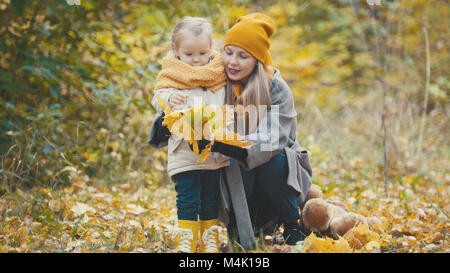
[{"x": 238, "y": 63}]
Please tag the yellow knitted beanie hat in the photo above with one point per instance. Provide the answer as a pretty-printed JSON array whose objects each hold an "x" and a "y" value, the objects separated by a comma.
[{"x": 251, "y": 32}]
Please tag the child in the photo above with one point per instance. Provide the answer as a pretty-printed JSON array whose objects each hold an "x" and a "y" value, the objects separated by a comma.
[{"x": 193, "y": 73}]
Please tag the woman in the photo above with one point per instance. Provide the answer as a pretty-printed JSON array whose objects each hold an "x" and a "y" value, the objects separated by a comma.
[
  {"x": 274, "y": 173},
  {"x": 264, "y": 185}
]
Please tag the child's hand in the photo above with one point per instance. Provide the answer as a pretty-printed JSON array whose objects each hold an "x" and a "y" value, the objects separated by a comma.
[{"x": 178, "y": 98}]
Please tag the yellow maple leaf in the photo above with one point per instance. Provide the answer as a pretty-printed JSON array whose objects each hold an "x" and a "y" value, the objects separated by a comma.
[
  {"x": 314, "y": 244},
  {"x": 46, "y": 191},
  {"x": 361, "y": 235},
  {"x": 372, "y": 245},
  {"x": 205, "y": 152},
  {"x": 202, "y": 122}
]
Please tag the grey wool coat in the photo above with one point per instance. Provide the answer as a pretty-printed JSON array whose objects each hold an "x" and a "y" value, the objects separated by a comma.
[{"x": 276, "y": 131}]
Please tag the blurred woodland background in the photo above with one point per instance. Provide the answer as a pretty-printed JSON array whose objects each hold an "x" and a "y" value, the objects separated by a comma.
[{"x": 370, "y": 83}]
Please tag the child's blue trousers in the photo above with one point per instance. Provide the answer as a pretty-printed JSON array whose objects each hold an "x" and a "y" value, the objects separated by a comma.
[{"x": 197, "y": 194}]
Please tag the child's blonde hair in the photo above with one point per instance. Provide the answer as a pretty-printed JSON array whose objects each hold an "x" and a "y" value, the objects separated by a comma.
[{"x": 195, "y": 25}]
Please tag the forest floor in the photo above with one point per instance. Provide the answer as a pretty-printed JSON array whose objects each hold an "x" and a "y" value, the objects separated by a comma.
[{"x": 88, "y": 217}]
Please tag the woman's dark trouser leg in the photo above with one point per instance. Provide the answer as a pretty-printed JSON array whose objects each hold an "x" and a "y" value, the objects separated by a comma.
[
  {"x": 272, "y": 178},
  {"x": 269, "y": 195}
]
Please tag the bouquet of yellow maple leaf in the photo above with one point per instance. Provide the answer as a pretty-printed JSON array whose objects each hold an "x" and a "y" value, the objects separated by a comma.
[{"x": 202, "y": 122}]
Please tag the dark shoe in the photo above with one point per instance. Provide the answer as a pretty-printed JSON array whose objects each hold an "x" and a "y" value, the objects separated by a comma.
[{"x": 292, "y": 233}]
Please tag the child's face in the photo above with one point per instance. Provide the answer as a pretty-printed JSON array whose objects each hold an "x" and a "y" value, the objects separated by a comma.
[{"x": 194, "y": 51}]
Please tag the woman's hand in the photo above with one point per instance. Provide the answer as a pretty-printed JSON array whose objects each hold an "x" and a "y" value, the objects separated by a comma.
[
  {"x": 225, "y": 149},
  {"x": 230, "y": 151},
  {"x": 201, "y": 145}
]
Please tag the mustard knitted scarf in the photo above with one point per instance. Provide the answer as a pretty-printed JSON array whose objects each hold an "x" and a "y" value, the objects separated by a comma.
[{"x": 177, "y": 74}]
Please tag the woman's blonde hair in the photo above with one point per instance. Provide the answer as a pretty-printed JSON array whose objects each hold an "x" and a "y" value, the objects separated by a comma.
[
  {"x": 256, "y": 92},
  {"x": 195, "y": 25}
]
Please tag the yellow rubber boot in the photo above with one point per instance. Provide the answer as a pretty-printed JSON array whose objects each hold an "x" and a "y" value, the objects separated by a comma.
[
  {"x": 187, "y": 236},
  {"x": 209, "y": 236}
]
